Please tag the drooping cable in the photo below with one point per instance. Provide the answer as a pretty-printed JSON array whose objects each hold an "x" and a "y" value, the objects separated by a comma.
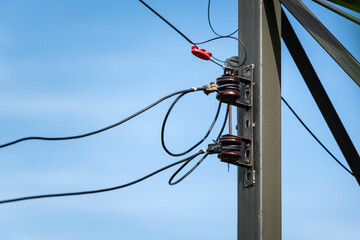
[
  {"x": 195, "y": 145},
  {"x": 185, "y": 161},
  {"x": 202, "y": 151},
  {"x": 187, "y": 173},
  {"x": 212, "y": 29},
  {"x": 200, "y": 161},
  {"x": 105, "y": 128},
  {"x": 313, "y": 135},
  {"x": 224, "y": 36}
]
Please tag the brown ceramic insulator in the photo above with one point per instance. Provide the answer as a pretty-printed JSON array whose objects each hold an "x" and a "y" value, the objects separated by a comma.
[
  {"x": 229, "y": 139},
  {"x": 228, "y": 155},
  {"x": 228, "y": 94},
  {"x": 226, "y": 79}
]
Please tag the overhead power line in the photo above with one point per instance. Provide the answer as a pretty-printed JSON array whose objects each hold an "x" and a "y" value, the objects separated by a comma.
[
  {"x": 188, "y": 159},
  {"x": 105, "y": 128},
  {"x": 185, "y": 162},
  {"x": 314, "y": 136},
  {"x": 167, "y": 22}
]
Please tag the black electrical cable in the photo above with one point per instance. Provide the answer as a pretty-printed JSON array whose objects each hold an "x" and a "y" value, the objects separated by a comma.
[
  {"x": 195, "y": 145},
  {"x": 220, "y": 37},
  {"x": 224, "y": 36},
  {"x": 212, "y": 29},
  {"x": 199, "y": 43},
  {"x": 202, "y": 151},
  {"x": 105, "y": 128},
  {"x": 313, "y": 135},
  {"x": 217, "y": 63},
  {"x": 187, "y": 173},
  {"x": 200, "y": 161},
  {"x": 185, "y": 161},
  {"x": 224, "y": 124},
  {"x": 167, "y": 22},
  {"x": 177, "y": 30},
  {"x": 219, "y": 60},
  {"x": 231, "y": 37}
]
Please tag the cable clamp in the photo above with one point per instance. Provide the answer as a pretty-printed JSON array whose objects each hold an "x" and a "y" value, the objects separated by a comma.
[
  {"x": 193, "y": 88},
  {"x": 203, "y": 150},
  {"x": 215, "y": 147},
  {"x": 201, "y": 53},
  {"x": 210, "y": 88}
]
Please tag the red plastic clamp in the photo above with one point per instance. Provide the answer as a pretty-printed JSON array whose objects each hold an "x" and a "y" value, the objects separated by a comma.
[{"x": 201, "y": 53}]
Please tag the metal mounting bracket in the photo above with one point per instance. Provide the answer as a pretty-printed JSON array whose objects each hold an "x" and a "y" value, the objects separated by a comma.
[
  {"x": 246, "y": 124},
  {"x": 245, "y": 100}
]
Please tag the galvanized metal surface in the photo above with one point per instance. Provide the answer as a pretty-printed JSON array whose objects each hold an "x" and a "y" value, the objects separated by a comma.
[{"x": 259, "y": 206}]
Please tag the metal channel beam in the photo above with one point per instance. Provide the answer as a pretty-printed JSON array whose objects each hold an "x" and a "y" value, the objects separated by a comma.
[
  {"x": 259, "y": 204},
  {"x": 324, "y": 37}
]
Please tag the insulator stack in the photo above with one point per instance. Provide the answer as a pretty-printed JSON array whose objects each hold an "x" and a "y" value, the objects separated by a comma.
[
  {"x": 229, "y": 89},
  {"x": 230, "y": 148}
]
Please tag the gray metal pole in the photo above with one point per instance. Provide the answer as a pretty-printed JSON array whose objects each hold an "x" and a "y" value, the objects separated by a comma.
[{"x": 259, "y": 205}]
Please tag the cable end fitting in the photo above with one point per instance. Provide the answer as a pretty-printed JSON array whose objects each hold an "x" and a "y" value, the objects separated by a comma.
[
  {"x": 203, "y": 150},
  {"x": 210, "y": 88},
  {"x": 215, "y": 148}
]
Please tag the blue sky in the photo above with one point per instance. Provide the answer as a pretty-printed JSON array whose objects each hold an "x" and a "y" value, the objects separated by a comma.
[{"x": 68, "y": 67}]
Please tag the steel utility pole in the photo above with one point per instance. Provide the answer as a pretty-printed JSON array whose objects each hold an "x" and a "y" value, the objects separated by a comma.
[{"x": 259, "y": 189}]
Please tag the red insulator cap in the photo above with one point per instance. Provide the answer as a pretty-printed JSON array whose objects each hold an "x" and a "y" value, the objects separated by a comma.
[{"x": 201, "y": 53}]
